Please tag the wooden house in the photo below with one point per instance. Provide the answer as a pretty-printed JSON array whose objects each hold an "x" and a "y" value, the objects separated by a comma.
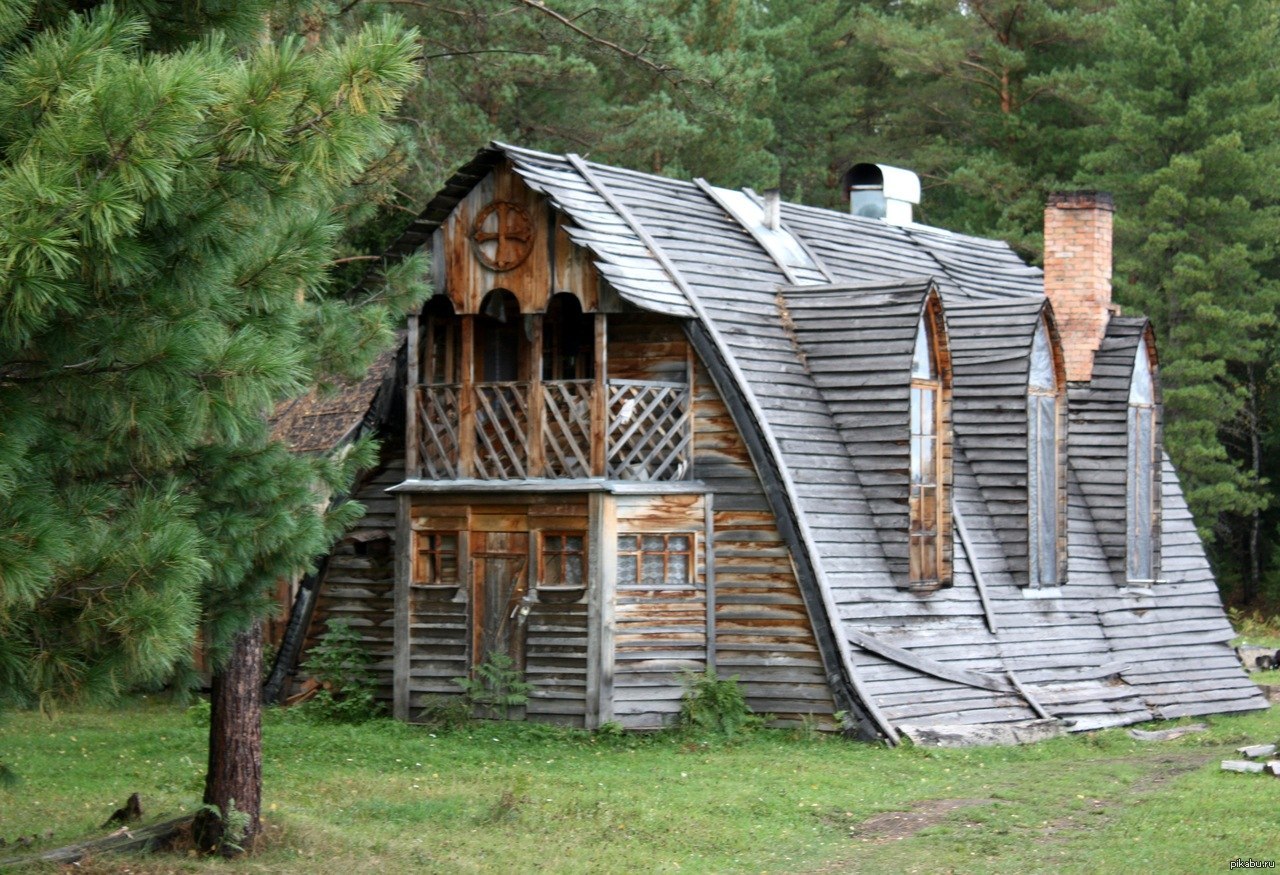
[{"x": 886, "y": 475}]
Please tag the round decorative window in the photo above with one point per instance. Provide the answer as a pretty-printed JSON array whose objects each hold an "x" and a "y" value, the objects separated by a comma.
[{"x": 502, "y": 235}]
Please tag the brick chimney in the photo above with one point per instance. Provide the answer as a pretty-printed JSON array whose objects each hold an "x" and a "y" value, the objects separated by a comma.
[{"x": 1077, "y": 273}]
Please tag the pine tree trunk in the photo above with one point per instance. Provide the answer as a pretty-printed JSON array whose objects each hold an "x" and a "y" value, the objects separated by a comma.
[{"x": 234, "y": 778}]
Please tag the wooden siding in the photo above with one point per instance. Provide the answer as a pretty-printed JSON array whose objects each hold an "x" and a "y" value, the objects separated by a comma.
[
  {"x": 552, "y": 265},
  {"x": 1100, "y": 438},
  {"x": 763, "y": 634},
  {"x": 991, "y": 348},
  {"x": 983, "y": 650},
  {"x": 554, "y": 642},
  {"x": 660, "y": 632},
  {"x": 359, "y": 581}
]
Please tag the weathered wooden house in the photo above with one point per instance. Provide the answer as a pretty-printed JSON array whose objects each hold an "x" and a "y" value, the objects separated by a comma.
[{"x": 880, "y": 472}]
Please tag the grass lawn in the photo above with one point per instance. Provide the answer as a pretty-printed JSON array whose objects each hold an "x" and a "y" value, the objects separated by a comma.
[{"x": 518, "y": 798}]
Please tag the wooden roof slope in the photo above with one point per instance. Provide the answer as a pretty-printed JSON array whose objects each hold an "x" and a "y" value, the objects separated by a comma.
[{"x": 981, "y": 650}]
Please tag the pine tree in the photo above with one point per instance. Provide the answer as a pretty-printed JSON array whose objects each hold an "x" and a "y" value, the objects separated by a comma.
[
  {"x": 1188, "y": 93},
  {"x": 171, "y": 198}
]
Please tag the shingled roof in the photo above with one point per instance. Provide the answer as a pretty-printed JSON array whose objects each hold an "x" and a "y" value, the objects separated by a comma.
[{"x": 811, "y": 364}]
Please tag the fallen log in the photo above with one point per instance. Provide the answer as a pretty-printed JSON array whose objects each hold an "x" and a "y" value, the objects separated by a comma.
[
  {"x": 1242, "y": 766},
  {"x": 1167, "y": 734},
  {"x": 123, "y": 839}
]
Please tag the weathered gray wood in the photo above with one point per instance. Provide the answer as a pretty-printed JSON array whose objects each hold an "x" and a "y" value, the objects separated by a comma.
[
  {"x": 979, "y": 579},
  {"x": 1167, "y": 734},
  {"x": 1256, "y": 751},
  {"x": 982, "y": 735},
  {"x": 1247, "y": 766},
  {"x": 123, "y": 839},
  {"x": 709, "y": 564},
  {"x": 404, "y": 573}
]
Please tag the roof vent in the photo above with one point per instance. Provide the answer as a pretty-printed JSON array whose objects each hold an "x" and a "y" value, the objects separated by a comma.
[{"x": 878, "y": 191}]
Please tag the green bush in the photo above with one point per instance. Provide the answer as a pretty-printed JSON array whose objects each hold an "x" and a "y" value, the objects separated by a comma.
[
  {"x": 498, "y": 686},
  {"x": 339, "y": 662},
  {"x": 714, "y": 704}
]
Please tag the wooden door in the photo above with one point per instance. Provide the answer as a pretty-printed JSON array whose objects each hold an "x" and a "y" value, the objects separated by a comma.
[{"x": 499, "y": 581}]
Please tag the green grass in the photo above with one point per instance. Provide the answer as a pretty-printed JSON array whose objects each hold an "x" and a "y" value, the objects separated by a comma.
[{"x": 521, "y": 798}]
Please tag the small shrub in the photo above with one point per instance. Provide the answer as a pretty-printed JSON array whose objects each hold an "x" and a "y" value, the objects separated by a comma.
[
  {"x": 498, "y": 686},
  {"x": 446, "y": 712},
  {"x": 715, "y": 704},
  {"x": 612, "y": 730},
  {"x": 339, "y": 663}
]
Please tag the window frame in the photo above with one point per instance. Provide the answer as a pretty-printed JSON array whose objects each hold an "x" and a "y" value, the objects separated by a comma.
[
  {"x": 691, "y": 576},
  {"x": 1135, "y": 563},
  {"x": 929, "y": 540},
  {"x": 1055, "y": 497},
  {"x": 428, "y": 561},
  {"x": 542, "y": 582}
]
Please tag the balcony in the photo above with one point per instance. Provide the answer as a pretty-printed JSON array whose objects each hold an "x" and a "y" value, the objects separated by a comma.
[{"x": 554, "y": 430}]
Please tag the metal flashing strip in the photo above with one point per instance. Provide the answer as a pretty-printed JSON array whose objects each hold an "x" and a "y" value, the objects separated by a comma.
[{"x": 721, "y": 347}]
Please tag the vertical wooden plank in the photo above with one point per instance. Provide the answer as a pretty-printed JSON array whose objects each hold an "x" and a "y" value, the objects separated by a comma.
[
  {"x": 602, "y": 546},
  {"x": 400, "y": 625},
  {"x": 595, "y": 573},
  {"x": 411, "y": 462},
  {"x": 537, "y": 403},
  {"x": 599, "y": 413},
  {"x": 691, "y": 421},
  {"x": 464, "y": 579},
  {"x": 709, "y": 575},
  {"x": 467, "y": 401}
]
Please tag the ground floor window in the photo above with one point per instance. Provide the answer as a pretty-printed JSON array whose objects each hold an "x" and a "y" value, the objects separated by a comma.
[
  {"x": 655, "y": 560},
  {"x": 564, "y": 560},
  {"x": 436, "y": 560}
]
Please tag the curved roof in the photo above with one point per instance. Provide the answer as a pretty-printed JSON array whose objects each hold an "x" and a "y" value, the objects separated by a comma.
[{"x": 817, "y": 408}]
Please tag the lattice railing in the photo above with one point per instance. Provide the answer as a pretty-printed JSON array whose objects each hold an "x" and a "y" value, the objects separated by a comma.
[
  {"x": 502, "y": 431},
  {"x": 649, "y": 433},
  {"x": 438, "y": 431},
  {"x": 566, "y": 428}
]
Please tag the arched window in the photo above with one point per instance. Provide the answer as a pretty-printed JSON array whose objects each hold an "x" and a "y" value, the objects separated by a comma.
[
  {"x": 1140, "y": 510},
  {"x": 441, "y": 350},
  {"x": 928, "y": 503},
  {"x": 498, "y": 338},
  {"x": 1044, "y": 475},
  {"x": 568, "y": 340}
]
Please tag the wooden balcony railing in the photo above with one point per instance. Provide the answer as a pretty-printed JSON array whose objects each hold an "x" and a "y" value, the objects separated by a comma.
[{"x": 520, "y": 430}]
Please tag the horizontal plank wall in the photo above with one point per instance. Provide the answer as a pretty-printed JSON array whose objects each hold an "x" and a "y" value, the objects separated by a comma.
[
  {"x": 762, "y": 631},
  {"x": 660, "y": 630},
  {"x": 360, "y": 578},
  {"x": 554, "y": 630}
]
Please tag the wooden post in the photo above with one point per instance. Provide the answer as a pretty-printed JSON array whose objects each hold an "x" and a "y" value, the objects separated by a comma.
[
  {"x": 467, "y": 401},
  {"x": 412, "y": 464},
  {"x": 401, "y": 638},
  {"x": 537, "y": 403},
  {"x": 602, "y": 558},
  {"x": 599, "y": 399},
  {"x": 709, "y": 566}
]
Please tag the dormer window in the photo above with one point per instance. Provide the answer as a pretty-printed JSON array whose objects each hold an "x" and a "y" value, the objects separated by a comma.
[
  {"x": 929, "y": 503},
  {"x": 1045, "y": 479},
  {"x": 1141, "y": 507}
]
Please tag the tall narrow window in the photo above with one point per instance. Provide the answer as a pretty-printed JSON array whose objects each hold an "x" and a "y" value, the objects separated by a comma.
[
  {"x": 927, "y": 494},
  {"x": 1043, "y": 476},
  {"x": 1140, "y": 505}
]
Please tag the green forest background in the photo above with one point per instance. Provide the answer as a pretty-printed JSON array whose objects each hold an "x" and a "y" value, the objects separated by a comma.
[{"x": 1170, "y": 105}]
